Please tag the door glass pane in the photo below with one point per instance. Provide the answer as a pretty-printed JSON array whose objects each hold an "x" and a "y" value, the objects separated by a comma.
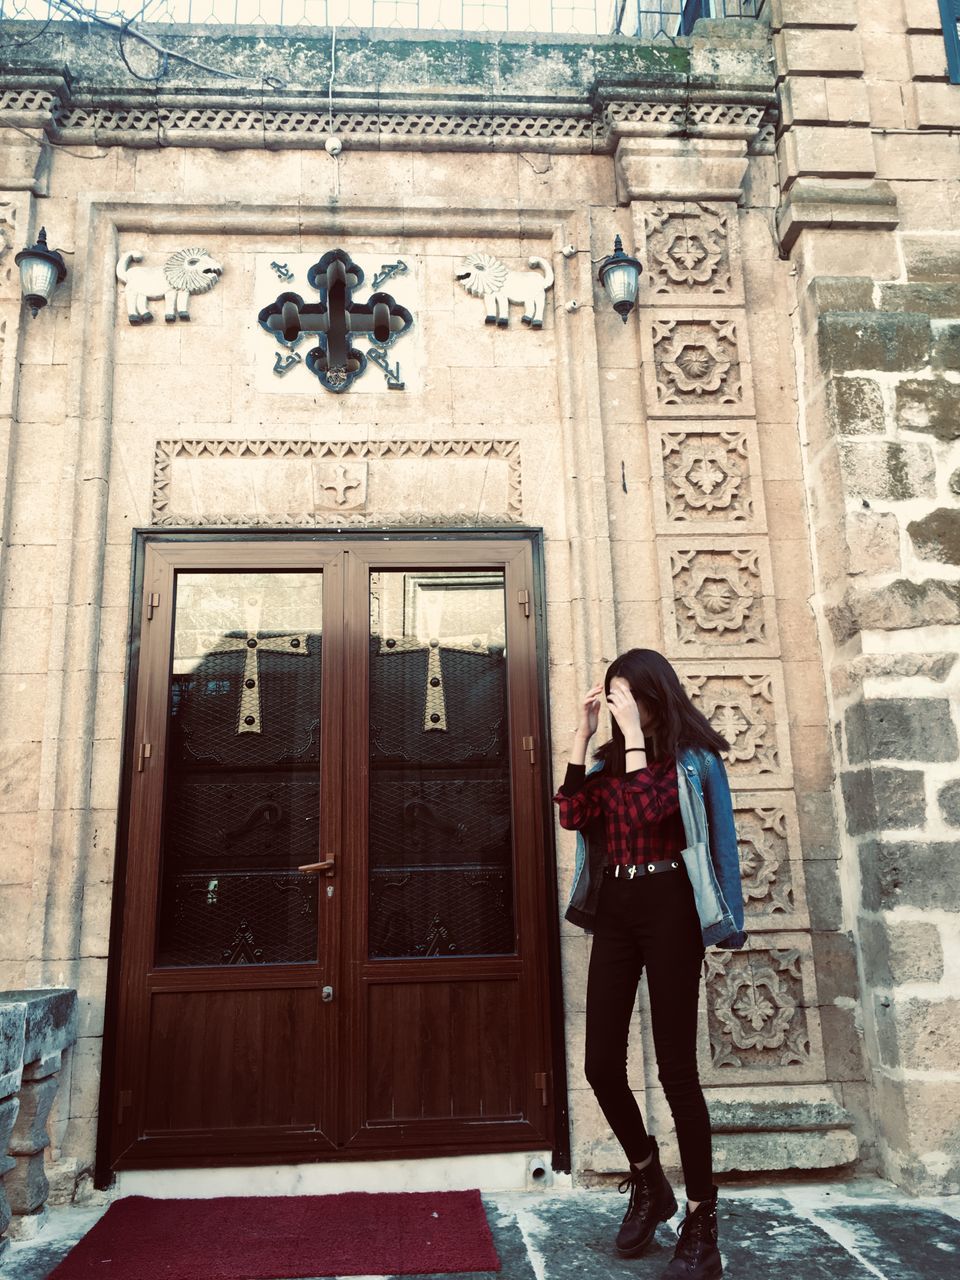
[
  {"x": 242, "y": 801},
  {"x": 441, "y": 867}
]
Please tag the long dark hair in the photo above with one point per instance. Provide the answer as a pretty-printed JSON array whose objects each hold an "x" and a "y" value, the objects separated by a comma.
[{"x": 676, "y": 721}]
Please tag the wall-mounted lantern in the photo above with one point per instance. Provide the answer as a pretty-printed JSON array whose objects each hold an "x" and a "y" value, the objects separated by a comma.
[
  {"x": 620, "y": 275},
  {"x": 41, "y": 270}
]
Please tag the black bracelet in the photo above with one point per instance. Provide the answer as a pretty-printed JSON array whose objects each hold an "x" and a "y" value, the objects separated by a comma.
[{"x": 627, "y": 750}]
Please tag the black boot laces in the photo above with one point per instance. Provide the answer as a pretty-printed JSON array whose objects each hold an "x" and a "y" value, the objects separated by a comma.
[
  {"x": 639, "y": 1191},
  {"x": 691, "y": 1232}
]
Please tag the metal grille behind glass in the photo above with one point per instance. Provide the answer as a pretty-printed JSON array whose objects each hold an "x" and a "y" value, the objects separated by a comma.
[
  {"x": 242, "y": 800},
  {"x": 441, "y": 879}
]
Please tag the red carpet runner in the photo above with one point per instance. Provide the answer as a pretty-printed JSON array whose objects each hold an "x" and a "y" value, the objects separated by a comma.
[{"x": 286, "y": 1237}]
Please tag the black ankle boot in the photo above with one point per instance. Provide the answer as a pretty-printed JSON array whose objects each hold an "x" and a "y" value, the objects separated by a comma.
[
  {"x": 696, "y": 1256},
  {"x": 651, "y": 1201}
]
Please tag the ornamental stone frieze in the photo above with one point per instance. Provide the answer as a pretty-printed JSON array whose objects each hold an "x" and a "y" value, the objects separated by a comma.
[
  {"x": 718, "y": 597},
  {"x": 762, "y": 1022},
  {"x": 692, "y": 253},
  {"x": 313, "y": 484},
  {"x": 706, "y": 478},
  {"x": 745, "y": 702},
  {"x": 696, "y": 364}
]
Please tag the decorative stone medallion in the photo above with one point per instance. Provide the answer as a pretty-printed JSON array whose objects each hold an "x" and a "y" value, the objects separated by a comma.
[
  {"x": 692, "y": 252},
  {"x": 696, "y": 365},
  {"x": 706, "y": 478},
  {"x": 718, "y": 597},
  {"x": 762, "y": 1020},
  {"x": 292, "y": 366},
  {"x": 746, "y": 703},
  {"x": 336, "y": 321}
]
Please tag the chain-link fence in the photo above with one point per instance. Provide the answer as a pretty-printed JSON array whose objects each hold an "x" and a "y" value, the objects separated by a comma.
[{"x": 646, "y": 19}]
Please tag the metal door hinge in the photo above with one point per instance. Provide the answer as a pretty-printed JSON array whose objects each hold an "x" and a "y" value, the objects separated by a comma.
[
  {"x": 124, "y": 1100},
  {"x": 541, "y": 1081},
  {"x": 527, "y": 745},
  {"x": 523, "y": 599},
  {"x": 144, "y": 752},
  {"x": 153, "y": 602}
]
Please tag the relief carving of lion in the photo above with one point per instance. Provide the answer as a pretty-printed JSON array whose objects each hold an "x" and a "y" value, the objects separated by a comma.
[
  {"x": 486, "y": 277},
  {"x": 184, "y": 272}
]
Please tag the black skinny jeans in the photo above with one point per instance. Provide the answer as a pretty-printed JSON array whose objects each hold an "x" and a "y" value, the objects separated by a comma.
[{"x": 649, "y": 922}]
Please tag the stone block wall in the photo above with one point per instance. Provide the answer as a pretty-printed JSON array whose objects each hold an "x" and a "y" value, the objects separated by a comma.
[{"x": 870, "y": 217}]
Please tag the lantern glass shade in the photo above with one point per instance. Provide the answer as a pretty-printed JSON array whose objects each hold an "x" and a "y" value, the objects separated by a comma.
[
  {"x": 620, "y": 281},
  {"x": 620, "y": 276},
  {"x": 38, "y": 279},
  {"x": 41, "y": 270}
]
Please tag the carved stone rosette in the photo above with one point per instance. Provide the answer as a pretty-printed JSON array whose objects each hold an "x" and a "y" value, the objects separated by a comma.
[
  {"x": 700, "y": 365},
  {"x": 706, "y": 478},
  {"x": 745, "y": 701},
  {"x": 762, "y": 1022},
  {"x": 693, "y": 253},
  {"x": 718, "y": 597},
  {"x": 771, "y": 866}
]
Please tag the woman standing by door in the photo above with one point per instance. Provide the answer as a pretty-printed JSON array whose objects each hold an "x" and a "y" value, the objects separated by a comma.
[{"x": 657, "y": 880}]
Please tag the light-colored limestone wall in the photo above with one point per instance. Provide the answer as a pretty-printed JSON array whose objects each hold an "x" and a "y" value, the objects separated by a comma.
[
  {"x": 870, "y": 217},
  {"x": 671, "y": 500}
]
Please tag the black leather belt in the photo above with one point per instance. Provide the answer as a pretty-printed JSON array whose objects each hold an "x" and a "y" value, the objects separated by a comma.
[{"x": 622, "y": 872}]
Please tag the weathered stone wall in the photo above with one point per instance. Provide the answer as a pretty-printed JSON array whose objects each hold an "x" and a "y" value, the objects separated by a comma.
[
  {"x": 870, "y": 169},
  {"x": 662, "y": 459}
]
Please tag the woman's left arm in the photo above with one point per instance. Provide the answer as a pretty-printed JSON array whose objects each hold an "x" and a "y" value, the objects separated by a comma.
[{"x": 723, "y": 836}]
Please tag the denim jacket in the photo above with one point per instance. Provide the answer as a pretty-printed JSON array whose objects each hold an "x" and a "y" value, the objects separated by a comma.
[{"x": 710, "y": 856}]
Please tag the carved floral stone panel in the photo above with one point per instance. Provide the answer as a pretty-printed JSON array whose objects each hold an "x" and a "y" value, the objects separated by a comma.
[
  {"x": 309, "y": 483},
  {"x": 693, "y": 253},
  {"x": 696, "y": 364},
  {"x": 762, "y": 1023},
  {"x": 745, "y": 701},
  {"x": 718, "y": 597},
  {"x": 771, "y": 866},
  {"x": 706, "y": 478}
]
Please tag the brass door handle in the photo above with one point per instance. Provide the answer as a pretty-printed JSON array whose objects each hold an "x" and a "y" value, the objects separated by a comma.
[{"x": 320, "y": 868}]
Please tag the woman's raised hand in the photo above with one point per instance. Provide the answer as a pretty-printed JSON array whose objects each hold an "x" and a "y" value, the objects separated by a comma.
[
  {"x": 590, "y": 712},
  {"x": 624, "y": 709}
]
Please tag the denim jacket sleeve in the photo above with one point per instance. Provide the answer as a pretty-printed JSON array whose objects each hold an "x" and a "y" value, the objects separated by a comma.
[{"x": 723, "y": 838}]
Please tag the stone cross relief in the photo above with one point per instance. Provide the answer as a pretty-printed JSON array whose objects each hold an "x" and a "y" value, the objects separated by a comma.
[
  {"x": 334, "y": 319},
  {"x": 252, "y": 645}
]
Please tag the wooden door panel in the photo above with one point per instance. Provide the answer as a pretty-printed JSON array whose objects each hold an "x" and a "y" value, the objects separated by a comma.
[
  {"x": 237, "y": 1060},
  {"x": 443, "y": 1051},
  {"x": 400, "y": 1003}
]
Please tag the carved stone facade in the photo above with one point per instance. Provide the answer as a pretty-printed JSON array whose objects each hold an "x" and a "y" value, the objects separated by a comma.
[{"x": 685, "y": 501}]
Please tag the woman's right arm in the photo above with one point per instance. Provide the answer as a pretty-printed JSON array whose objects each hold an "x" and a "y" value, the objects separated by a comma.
[{"x": 580, "y": 804}]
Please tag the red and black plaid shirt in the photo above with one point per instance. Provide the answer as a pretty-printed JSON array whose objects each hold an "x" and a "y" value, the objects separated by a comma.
[{"x": 641, "y": 810}]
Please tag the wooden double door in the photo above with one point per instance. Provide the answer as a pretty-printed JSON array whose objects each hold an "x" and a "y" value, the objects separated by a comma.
[{"x": 333, "y": 939}]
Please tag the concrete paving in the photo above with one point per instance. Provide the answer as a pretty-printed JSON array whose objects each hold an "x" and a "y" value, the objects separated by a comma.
[{"x": 863, "y": 1229}]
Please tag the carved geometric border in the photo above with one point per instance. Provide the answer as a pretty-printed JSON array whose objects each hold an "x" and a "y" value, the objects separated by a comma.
[
  {"x": 761, "y": 1020},
  {"x": 522, "y": 124},
  {"x": 773, "y": 887},
  {"x": 709, "y": 614},
  {"x": 747, "y": 703},
  {"x": 345, "y": 450},
  {"x": 734, "y": 437}
]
